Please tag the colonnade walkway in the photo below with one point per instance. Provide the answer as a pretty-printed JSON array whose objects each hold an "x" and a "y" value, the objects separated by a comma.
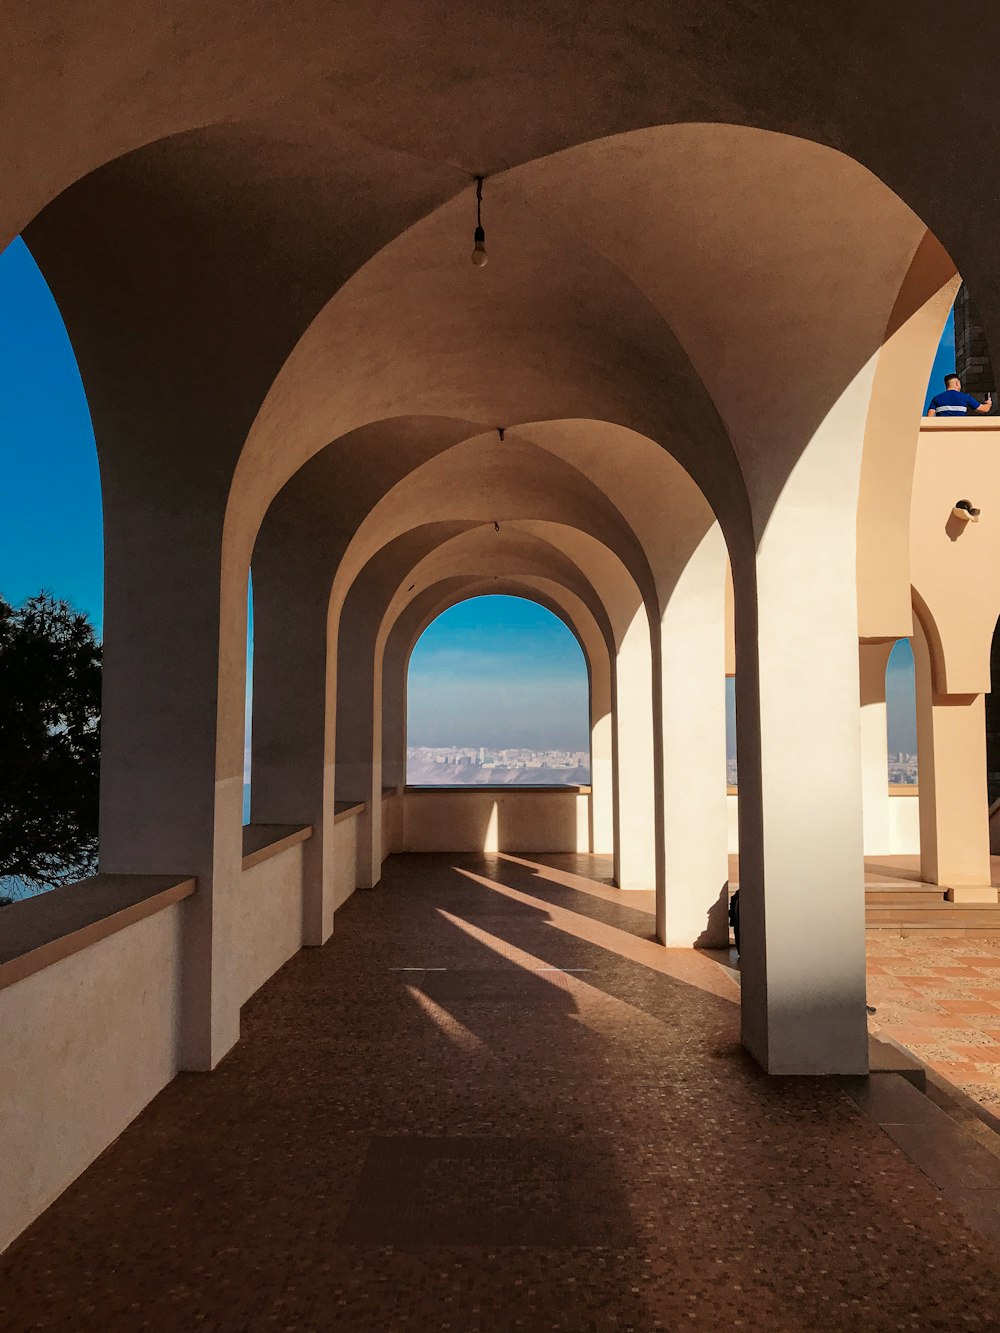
[{"x": 492, "y": 1102}]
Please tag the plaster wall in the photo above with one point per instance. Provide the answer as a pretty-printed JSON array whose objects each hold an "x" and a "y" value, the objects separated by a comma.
[
  {"x": 392, "y": 824},
  {"x": 345, "y": 858},
  {"x": 903, "y": 830},
  {"x": 904, "y": 826},
  {"x": 954, "y": 564},
  {"x": 93, "y": 1039},
  {"x": 471, "y": 820},
  {"x": 270, "y": 920},
  {"x": 873, "y": 659},
  {"x": 733, "y": 822}
]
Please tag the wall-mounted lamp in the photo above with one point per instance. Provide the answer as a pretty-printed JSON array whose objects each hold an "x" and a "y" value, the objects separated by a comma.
[
  {"x": 963, "y": 510},
  {"x": 479, "y": 255}
]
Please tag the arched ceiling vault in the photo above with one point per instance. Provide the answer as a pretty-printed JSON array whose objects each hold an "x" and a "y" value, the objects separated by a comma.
[
  {"x": 484, "y": 480},
  {"x": 675, "y": 281},
  {"x": 493, "y": 558}
]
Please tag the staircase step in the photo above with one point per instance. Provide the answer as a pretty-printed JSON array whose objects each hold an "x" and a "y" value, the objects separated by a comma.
[
  {"x": 981, "y": 919},
  {"x": 891, "y": 897}
]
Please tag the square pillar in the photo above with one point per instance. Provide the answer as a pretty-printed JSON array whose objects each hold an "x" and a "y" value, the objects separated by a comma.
[
  {"x": 635, "y": 843},
  {"x": 873, "y": 658},
  {"x": 173, "y": 688},
  {"x": 801, "y": 846},
  {"x": 954, "y": 814},
  {"x": 695, "y": 907}
]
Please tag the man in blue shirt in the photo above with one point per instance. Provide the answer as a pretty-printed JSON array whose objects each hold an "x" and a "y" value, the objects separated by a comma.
[{"x": 954, "y": 403}]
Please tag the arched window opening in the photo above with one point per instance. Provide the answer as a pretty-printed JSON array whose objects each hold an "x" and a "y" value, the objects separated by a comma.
[
  {"x": 497, "y": 694},
  {"x": 51, "y": 542},
  {"x": 901, "y": 716}
]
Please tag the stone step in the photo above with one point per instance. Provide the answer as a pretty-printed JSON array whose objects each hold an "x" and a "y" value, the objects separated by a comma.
[
  {"x": 982, "y": 919},
  {"x": 891, "y": 896}
]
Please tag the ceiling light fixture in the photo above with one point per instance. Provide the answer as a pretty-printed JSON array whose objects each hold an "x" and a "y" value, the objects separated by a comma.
[{"x": 479, "y": 255}]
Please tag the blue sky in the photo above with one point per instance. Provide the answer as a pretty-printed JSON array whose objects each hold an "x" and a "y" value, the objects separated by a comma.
[
  {"x": 50, "y": 500},
  {"x": 498, "y": 671},
  {"x": 493, "y": 671},
  {"x": 944, "y": 360}
]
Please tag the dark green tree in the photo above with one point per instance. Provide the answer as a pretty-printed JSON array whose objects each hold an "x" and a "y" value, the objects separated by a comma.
[{"x": 50, "y": 744}]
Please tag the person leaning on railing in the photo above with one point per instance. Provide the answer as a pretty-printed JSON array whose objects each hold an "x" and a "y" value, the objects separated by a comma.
[{"x": 954, "y": 403}]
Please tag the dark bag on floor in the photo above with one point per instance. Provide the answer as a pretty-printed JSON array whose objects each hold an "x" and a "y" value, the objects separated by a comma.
[{"x": 734, "y": 917}]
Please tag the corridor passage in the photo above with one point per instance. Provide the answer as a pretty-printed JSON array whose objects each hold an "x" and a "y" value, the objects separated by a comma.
[{"x": 491, "y": 1102}]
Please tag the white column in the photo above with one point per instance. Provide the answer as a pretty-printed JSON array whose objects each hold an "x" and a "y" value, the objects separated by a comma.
[
  {"x": 168, "y": 806},
  {"x": 292, "y": 778},
  {"x": 359, "y": 732},
  {"x": 635, "y": 844},
  {"x": 799, "y": 742},
  {"x": 873, "y": 659},
  {"x": 951, "y": 758},
  {"x": 696, "y": 906}
]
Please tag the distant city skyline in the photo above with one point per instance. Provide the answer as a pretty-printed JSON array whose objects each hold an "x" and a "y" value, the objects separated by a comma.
[{"x": 470, "y": 765}]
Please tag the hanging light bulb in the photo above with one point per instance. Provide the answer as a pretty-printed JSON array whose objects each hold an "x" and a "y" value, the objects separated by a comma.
[{"x": 479, "y": 255}]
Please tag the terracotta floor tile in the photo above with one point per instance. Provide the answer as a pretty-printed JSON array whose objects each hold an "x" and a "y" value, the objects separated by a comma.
[
  {"x": 921, "y": 1018},
  {"x": 980, "y": 1054}
]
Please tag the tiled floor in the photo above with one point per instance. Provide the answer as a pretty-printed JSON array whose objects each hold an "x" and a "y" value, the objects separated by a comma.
[
  {"x": 939, "y": 996},
  {"x": 491, "y": 1103}
]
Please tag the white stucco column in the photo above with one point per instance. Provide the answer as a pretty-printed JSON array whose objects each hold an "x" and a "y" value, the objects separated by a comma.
[
  {"x": 292, "y": 774},
  {"x": 799, "y": 742},
  {"x": 695, "y": 910},
  {"x": 168, "y": 804},
  {"x": 872, "y": 660},
  {"x": 602, "y": 836},
  {"x": 358, "y": 729},
  {"x": 635, "y": 844},
  {"x": 951, "y": 758}
]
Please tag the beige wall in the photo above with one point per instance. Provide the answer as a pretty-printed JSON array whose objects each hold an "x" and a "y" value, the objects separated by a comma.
[
  {"x": 956, "y": 566},
  {"x": 392, "y": 824},
  {"x": 471, "y": 820},
  {"x": 904, "y": 825},
  {"x": 345, "y": 858},
  {"x": 902, "y": 837},
  {"x": 85, "y": 1044},
  {"x": 270, "y": 920}
]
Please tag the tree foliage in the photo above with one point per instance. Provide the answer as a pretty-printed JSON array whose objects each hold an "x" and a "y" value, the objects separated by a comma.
[{"x": 50, "y": 709}]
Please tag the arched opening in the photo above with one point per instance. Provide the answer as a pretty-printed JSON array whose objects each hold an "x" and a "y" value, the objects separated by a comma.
[
  {"x": 263, "y": 284},
  {"x": 51, "y": 542},
  {"x": 901, "y": 716},
  {"x": 497, "y": 694}
]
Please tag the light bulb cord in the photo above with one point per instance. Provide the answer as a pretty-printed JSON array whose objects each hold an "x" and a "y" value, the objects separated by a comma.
[{"x": 479, "y": 201}]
